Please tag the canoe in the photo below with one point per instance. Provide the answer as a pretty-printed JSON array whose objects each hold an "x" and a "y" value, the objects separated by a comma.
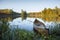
[{"x": 39, "y": 27}]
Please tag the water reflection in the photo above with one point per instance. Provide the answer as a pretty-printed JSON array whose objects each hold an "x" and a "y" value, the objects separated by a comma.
[{"x": 26, "y": 24}]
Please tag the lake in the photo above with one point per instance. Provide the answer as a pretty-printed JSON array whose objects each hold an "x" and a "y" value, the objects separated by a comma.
[{"x": 27, "y": 24}]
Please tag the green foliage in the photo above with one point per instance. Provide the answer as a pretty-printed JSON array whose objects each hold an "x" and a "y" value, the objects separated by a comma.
[
  {"x": 56, "y": 29},
  {"x": 4, "y": 26},
  {"x": 3, "y": 29},
  {"x": 21, "y": 34}
]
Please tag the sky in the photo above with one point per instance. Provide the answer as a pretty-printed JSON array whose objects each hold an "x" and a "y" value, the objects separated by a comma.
[{"x": 28, "y": 5}]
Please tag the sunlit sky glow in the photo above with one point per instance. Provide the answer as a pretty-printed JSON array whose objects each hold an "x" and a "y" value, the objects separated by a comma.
[{"x": 28, "y": 5}]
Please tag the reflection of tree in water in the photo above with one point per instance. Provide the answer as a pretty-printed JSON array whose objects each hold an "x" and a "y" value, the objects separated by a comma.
[
  {"x": 6, "y": 19},
  {"x": 23, "y": 14}
]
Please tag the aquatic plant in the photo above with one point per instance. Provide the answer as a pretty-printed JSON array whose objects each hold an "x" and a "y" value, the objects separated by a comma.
[{"x": 21, "y": 34}]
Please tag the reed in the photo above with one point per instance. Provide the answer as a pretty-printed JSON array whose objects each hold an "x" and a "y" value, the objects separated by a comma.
[{"x": 21, "y": 34}]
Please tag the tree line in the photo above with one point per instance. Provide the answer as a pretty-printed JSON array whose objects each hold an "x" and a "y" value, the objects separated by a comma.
[{"x": 48, "y": 14}]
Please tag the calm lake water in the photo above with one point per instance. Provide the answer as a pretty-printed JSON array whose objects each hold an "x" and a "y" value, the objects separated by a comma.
[{"x": 27, "y": 24}]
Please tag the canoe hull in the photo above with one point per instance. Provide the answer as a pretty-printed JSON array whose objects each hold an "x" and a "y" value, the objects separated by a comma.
[{"x": 40, "y": 29}]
